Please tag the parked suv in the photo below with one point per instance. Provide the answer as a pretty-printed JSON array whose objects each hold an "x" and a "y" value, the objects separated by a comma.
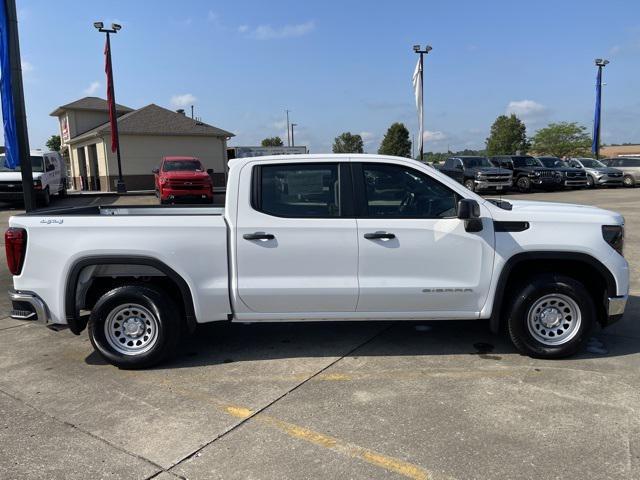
[
  {"x": 528, "y": 172},
  {"x": 598, "y": 174},
  {"x": 183, "y": 178},
  {"x": 477, "y": 173},
  {"x": 630, "y": 169},
  {"x": 49, "y": 178},
  {"x": 571, "y": 176}
]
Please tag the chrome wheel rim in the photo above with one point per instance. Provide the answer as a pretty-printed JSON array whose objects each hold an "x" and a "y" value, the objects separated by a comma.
[
  {"x": 131, "y": 329},
  {"x": 554, "y": 319}
]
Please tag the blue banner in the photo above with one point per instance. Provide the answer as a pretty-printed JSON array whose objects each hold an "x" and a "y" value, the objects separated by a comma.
[
  {"x": 8, "y": 110},
  {"x": 596, "y": 121}
]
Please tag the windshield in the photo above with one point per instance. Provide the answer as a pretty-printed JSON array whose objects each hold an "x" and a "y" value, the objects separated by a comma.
[
  {"x": 36, "y": 164},
  {"x": 471, "y": 162},
  {"x": 526, "y": 162},
  {"x": 182, "y": 165},
  {"x": 551, "y": 162},
  {"x": 590, "y": 163}
]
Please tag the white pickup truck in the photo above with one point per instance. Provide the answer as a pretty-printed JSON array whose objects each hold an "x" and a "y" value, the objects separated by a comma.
[{"x": 320, "y": 237}]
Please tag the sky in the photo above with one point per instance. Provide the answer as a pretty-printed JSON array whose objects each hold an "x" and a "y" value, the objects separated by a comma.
[{"x": 340, "y": 65}]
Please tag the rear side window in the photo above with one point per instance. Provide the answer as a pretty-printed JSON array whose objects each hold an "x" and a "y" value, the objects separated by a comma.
[
  {"x": 300, "y": 191},
  {"x": 395, "y": 191},
  {"x": 629, "y": 162}
]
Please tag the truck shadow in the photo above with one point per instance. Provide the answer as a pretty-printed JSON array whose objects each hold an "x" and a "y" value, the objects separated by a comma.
[{"x": 227, "y": 343}]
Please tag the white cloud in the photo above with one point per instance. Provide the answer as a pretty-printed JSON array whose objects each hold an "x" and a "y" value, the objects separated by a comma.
[
  {"x": 615, "y": 50},
  {"x": 526, "y": 108},
  {"x": 367, "y": 137},
  {"x": 213, "y": 16},
  {"x": 91, "y": 89},
  {"x": 26, "y": 67},
  {"x": 183, "y": 100},
  {"x": 437, "y": 136},
  {"x": 267, "y": 32}
]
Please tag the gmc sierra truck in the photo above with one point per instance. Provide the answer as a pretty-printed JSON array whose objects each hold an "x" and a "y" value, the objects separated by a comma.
[{"x": 320, "y": 237}]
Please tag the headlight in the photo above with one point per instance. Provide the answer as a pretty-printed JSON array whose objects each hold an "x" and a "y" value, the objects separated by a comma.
[
  {"x": 478, "y": 174},
  {"x": 614, "y": 236},
  {"x": 37, "y": 184}
]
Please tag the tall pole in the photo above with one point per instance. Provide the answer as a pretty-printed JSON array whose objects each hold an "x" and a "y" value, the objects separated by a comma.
[
  {"x": 419, "y": 91},
  {"x": 293, "y": 143},
  {"x": 597, "y": 123},
  {"x": 17, "y": 95},
  {"x": 120, "y": 187},
  {"x": 288, "y": 130}
]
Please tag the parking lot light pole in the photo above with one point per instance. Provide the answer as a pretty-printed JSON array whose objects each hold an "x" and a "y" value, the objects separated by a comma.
[
  {"x": 422, "y": 52},
  {"x": 595, "y": 146},
  {"x": 115, "y": 138},
  {"x": 293, "y": 142}
]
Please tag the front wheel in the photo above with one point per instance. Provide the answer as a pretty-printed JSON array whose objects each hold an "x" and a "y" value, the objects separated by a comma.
[
  {"x": 590, "y": 182},
  {"x": 524, "y": 184},
  {"x": 134, "y": 326},
  {"x": 551, "y": 316},
  {"x": 470, "y": 184},
  {"x": 44, "y": 200}
]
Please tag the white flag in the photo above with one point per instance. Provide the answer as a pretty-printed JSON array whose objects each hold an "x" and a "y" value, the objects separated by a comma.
[{"x": 417, "y": 88}]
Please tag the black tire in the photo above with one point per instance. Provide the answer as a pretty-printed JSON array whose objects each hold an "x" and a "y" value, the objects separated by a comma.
[
  {"x": 523, "y": 184},
  {"x": 590, "y": 182},
  {"x": 166, "y": 323},
  {"x": 44, "y": 199},
  {"x": 628, "y": 181},
  {"x": 63, "y": 191},
  {"x": 469, "y": 183},
  {"x": 536, "y": 290}
]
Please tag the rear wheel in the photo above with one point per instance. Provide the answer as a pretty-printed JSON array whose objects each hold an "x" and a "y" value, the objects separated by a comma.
[
  {"x": 134, "y": 326},
  {"x": 470, "y": 184},
  {"x": 551, "y": 316},
  {"x": 628, "y": 181},
  {"x": 44, "y": 199}
]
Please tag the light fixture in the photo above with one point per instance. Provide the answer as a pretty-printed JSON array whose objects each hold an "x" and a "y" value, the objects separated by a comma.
[
  {"x": 116, "y": 26},
  {"x": 98, "y": 25}
]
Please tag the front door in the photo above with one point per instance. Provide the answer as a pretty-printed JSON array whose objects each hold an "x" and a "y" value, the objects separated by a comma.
[
  {"x": 297, "y": 250},
  {"x": 415, "y": 255}
]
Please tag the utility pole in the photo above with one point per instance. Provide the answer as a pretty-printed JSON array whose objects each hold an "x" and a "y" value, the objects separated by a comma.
[
  {"x": 595, "y": 146},
  {"x": 293, "y": 143},
  {"x": 191, "y": 112},
  {"x": 288, "y": 134},
  {"x": 20, "y": 142}
]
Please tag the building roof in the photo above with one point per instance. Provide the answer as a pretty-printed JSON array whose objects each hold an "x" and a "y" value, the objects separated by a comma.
[
  {"x": 89, "y": 103},
  {"x": 155, "y": 120},
  {"x": 620, "y": 150}
]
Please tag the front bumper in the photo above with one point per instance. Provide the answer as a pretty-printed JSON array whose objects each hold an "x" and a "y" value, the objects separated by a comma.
[
  {"x": 28, "y": 306},
  {"x": 607, "y": 180},
  {"x": 615, "y": 307},
  {"x": 546, "y": 181},
  {"x": 175, "y": 193},
  {"x": 486, "y": 185},
  {"x": 576, "y": 182}
]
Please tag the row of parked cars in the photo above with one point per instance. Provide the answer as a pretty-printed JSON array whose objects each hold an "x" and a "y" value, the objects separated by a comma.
[{"x": 525, "y": 172}]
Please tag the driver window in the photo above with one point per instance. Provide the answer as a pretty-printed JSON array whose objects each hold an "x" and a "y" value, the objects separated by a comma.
[{"x": 394, "y": 191}]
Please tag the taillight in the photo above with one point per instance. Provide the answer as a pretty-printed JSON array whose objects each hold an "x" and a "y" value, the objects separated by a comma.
[{"x": 15, "y": 243}]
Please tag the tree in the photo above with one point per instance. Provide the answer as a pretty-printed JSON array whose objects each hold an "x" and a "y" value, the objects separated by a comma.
[
  {"x": 508, "y": 135},
  {"x": 348, "y": 143},
  {"x": 562, "y": 139},
  {"x": 396, "y": 141},
  {"x": 53, "y": 143},
  {"x": 272, "y": 142}
]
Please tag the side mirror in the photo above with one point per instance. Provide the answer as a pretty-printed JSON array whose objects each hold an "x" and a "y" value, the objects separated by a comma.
[
  {"x": 155, "y": 171},
  {"x": 210, "y": 171},
  {"x": 469, "y": 211}
]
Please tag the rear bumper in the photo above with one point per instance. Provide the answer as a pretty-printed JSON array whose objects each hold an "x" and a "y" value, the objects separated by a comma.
[{"x": 28, "y": 306}]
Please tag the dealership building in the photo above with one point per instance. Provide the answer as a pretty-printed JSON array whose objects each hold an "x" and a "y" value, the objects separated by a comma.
[{"x": 146, "y": 135}]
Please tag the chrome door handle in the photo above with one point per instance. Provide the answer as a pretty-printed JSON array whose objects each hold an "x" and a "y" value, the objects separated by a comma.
[{"x": 379, "y": 236}]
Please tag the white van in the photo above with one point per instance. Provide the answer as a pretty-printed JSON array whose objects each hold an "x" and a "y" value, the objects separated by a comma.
[{"x": 49, "y": 178}]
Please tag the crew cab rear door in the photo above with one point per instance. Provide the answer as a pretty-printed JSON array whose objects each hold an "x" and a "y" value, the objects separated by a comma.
[
  {"x": 415, "y": 255},
  {"x": 296, "y": 243}
]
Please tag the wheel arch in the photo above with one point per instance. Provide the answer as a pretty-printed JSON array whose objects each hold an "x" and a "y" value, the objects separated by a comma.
[
  {"x": 77, "y": 324},
  {"x": 543, "y": 261}
]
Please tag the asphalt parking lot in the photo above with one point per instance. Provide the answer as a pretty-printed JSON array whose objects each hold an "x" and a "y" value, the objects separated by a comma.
[{"x": 430, "y": 400}]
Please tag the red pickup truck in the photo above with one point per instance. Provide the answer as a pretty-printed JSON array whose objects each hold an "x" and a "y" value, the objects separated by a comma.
[{"x": 183, "y": 178}]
